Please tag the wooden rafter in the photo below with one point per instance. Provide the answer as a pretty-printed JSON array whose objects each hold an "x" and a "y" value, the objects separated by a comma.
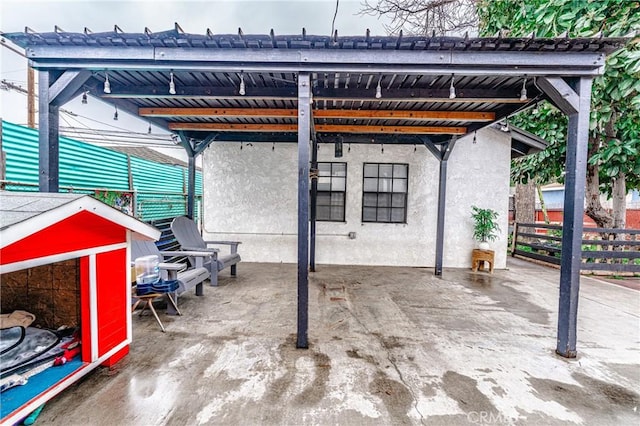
[
  {"x": 320, "y": 128},
  {"x": 472, "y": 116}
]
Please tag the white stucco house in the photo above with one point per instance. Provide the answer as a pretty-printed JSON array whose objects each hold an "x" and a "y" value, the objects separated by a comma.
[{"x": 250, "y": 196}]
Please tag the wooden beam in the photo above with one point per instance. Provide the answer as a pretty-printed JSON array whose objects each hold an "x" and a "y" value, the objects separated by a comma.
[
  {"x": 320, "y": 128},
  {"x": 320, "y": 113}
]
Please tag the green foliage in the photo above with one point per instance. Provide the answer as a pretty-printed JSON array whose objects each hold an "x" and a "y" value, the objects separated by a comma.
[
  {"x": 485, "y": 226},
  {"x": 615, "y": 109}
]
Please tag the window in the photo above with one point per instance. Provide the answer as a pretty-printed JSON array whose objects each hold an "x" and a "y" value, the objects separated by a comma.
[
  {"x": 332, "y": 189},
  {"x": 384, "y": 194}
]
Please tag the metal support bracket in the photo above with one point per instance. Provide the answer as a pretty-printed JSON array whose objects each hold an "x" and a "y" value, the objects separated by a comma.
[{"x": 560, "y": 93}]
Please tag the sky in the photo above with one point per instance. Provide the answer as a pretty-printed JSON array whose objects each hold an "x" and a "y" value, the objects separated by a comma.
[{"x": 222, "y": 17}]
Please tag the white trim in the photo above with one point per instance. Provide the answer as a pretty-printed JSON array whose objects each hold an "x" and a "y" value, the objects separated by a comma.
[
  {"x": 93, "y": 306},
  {"x": 32, "y": 263},
  {"x": 48, "y": 394},
  {"x": 128, "y": 287},
  {"x": 45, "y": 219}
]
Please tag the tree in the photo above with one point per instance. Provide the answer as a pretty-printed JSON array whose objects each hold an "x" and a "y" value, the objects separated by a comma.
[
  {"x": 614, "y": 141},
  {"x": 423, "y": 17}
]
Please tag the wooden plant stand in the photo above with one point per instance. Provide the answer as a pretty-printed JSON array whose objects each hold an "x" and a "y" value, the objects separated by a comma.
[{"x": 478, "y": 257}]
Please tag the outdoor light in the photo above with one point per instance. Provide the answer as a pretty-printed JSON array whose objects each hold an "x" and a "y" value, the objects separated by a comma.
[
  {"x": 107, "y": 85},
  {"x": 338, "y": 148},
  {"x": 452, "y": 89},
  {"x": 84, "y": 98},
  {"x": 149, "y": 129},
  {"x": 242, "y": 88},
  {"x": 523, "y": 92},
  {"x": 172, "y": 85},
  {"x": 379, "y": 89},
  {"x": 115, "y": 114}
]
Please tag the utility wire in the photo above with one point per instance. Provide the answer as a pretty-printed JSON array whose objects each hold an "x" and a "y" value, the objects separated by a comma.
[{"x": 333, "y": 23}]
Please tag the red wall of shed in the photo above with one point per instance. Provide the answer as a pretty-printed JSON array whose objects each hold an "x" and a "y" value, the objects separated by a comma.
[{"x": 112, "y": 299}]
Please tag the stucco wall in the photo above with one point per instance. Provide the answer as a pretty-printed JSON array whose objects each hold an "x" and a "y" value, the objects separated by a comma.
[{"x": 250, "y": 195}]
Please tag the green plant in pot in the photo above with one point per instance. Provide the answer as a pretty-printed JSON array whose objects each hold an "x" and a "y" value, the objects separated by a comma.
[{"x": 485, "y": 227}]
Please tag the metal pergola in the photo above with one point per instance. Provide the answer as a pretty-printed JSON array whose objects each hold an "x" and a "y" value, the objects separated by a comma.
[{"x": 311, "y": 90}]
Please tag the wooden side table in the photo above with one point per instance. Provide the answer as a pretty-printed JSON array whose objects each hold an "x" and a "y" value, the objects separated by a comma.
[{"x": 478, "y": 257}]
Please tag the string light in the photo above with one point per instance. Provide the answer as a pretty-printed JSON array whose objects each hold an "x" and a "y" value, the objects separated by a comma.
[
  {"x": 452, "y": 89},
  {"x": 349, "y": 148},
  {"x": 240, "y": 146},
  {"x": 149, "y": 129},
  {"x": 172, "y": 85},
  {"x": 242, "y": 90},
  {"x": 415, "y": 148},
  {"x": 273, "y": 147},
  {"x": 474, "y": 137},
  {"x": 379, "y": 89},
  {"x": 115, "y": 114},
  {"x": 84, "y": 98},
  {"x": 382, "y": 148},
  {"x": 107, "y": 84},
  {"x": 523, "y": 92}
]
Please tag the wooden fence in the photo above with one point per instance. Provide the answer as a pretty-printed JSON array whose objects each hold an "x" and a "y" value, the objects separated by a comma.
[{"x": 611, "y": 250}]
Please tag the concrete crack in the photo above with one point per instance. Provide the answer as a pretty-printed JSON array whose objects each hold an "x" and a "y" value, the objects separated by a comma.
[
  {"x": 391, "y": 360},
  {"x": 395, "y": 366}
]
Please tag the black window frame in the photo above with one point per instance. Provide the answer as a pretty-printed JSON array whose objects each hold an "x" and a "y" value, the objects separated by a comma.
[
  {"x": 331, "y": 193},
  {"x": 389, "y": 199}
]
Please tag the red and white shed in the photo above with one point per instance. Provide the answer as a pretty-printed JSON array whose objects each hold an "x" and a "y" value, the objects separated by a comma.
[{"x": 70, "y": 241}]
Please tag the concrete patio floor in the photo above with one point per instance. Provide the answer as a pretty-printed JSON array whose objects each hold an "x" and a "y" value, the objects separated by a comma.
[{"x": 388, "y": 346}]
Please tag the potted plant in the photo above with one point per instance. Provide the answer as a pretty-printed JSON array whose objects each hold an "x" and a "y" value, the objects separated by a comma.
[{"x": 485, "y": 227}]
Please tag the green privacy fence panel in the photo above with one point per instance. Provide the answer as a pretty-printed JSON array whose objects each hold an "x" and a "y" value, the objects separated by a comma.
[
  {"x": 81, "y": 165},
  {"x": 160, "y": 188}
]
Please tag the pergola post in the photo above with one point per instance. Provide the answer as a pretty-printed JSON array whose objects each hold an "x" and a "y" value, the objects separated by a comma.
[
  {"x": 442, "y": 155},
  {"x": 191, "y": 186},
  {"x": 191, "y": 173},
  {"x": 48, "y": 137},
  {"x": 575, "y": 180},
  {"x": 304, "y": 133},
  {"x": 53, "y": 91},
  {"x": 442, "y": 195}
]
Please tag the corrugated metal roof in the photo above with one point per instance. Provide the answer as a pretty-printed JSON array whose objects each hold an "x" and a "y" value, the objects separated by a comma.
[
  {"x": 149, "y": 154},
  {"x": 227, "y": 76},
  {"x": 84, "y": 168},
  {"x": 177, "y": 38}
]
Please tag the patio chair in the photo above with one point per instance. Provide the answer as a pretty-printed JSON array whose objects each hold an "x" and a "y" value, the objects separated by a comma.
[
  {"x": 188, "y": 278},
  {"x": 187, "y": 234}
]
